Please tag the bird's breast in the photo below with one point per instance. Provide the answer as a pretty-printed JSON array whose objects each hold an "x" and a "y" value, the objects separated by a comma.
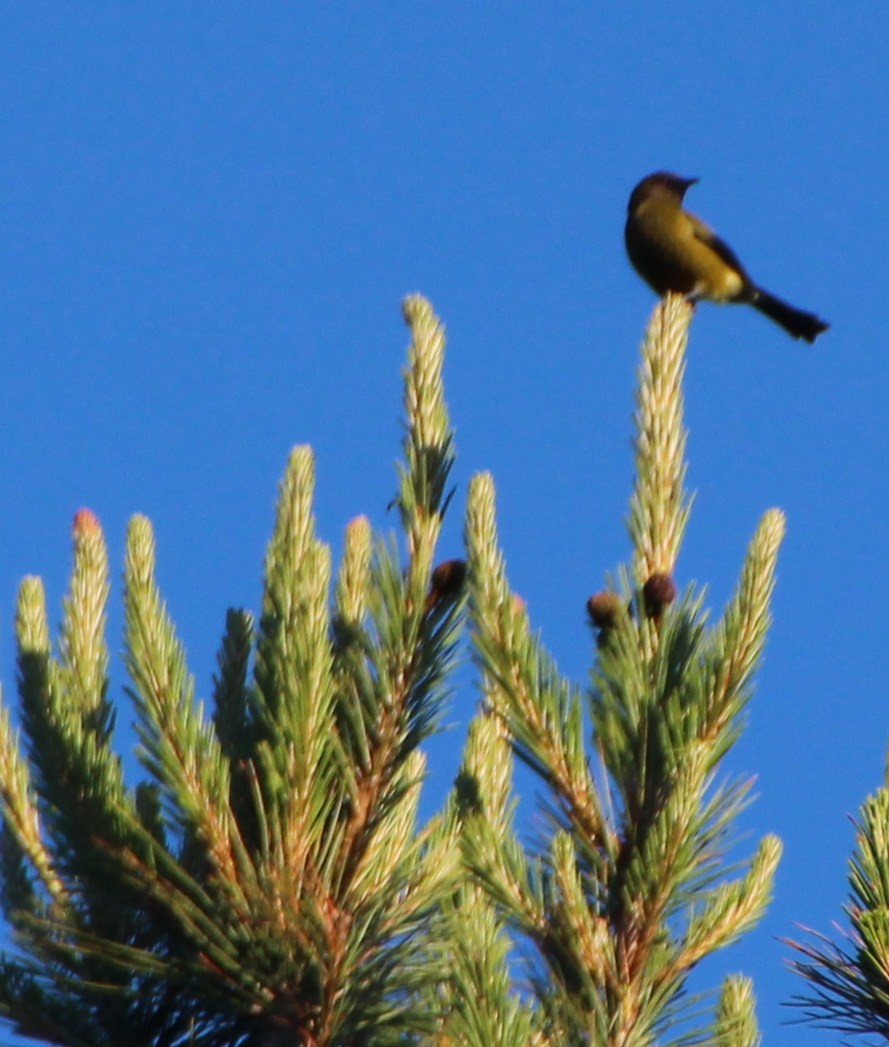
[
  {"x": 660, "y": 249},
  {"x": 670, "y": 251}
]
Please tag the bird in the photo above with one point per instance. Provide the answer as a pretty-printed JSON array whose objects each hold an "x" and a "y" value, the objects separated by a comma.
[{"x": 673, "y": 250}]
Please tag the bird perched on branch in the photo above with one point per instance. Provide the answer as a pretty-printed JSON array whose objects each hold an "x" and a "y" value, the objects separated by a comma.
[{"x": 673, "y": 250}]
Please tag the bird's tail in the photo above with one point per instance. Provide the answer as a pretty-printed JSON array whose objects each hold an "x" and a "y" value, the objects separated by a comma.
[{"x": 795, "y": 322}]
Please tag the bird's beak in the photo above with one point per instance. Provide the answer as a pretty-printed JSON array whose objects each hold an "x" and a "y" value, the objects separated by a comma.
[{"x": 687, "y": 183}]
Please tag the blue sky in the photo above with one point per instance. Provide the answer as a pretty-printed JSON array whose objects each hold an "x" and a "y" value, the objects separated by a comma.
[{"x": 210, "y": 215}]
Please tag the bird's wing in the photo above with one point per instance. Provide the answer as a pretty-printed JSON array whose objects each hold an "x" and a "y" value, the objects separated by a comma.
[{"x": 705, "y": 234}]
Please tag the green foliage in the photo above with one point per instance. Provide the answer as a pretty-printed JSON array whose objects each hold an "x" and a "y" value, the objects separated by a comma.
[
  {"x": 479, "y": 1003},
  {"x": 848, "y": 981},
  {"x": 735, "y": 1017},
  {"x": 268, "y": 881},
  {"x": 632, "y": 890}
]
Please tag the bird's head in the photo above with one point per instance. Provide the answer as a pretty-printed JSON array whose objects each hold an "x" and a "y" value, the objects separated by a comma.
[{"x": 661, "y": 183}]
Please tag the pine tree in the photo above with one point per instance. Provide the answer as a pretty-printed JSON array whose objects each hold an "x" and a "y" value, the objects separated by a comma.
[
  {"x": 848, "y": 980},
  {"x": 267, "y": 881}
]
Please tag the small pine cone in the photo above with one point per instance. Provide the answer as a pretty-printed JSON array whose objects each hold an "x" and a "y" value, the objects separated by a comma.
[
  {"x": 446, "y": 581},
  {"x": 657, "y": 593},
  {"x": 604, "y": 608}
]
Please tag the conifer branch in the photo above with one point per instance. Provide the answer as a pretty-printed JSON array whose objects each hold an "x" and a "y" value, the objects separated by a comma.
[
  {"x": 660, "y": 506},
  {"x": 355, "y": 577},
  {"x": 294, "y": 659},
  {"x": 82, "y": 683},
  {"x": 429, "y": 443},
  {"x": 394, "y": 653},
  {"x": 423, "y": 495},
  {"x": 180, "y": 747},
  {"x": 736, "y": 1024},
  {"x": 848, "y": 980},
  {"x": 634, "y": 897},
  {"x": 354, "y": 684},
  {"x": 89, "y": 827},
  {"x": 67, "y": 715},
  {"x": 482, "y": 1008},
  {"x": 739, "y": 639},
  {"x": 542, "y": 713},
  {"x": 732, "y": 908},
  {"x": 24, "y": 849},
  {"x": 491, "y": 851},
  {"x": 84, "y": 653},
  {"x": 22, "y": 820}
]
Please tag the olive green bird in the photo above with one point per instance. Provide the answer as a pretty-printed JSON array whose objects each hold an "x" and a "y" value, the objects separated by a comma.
[{"x": 673, "y": 250}]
